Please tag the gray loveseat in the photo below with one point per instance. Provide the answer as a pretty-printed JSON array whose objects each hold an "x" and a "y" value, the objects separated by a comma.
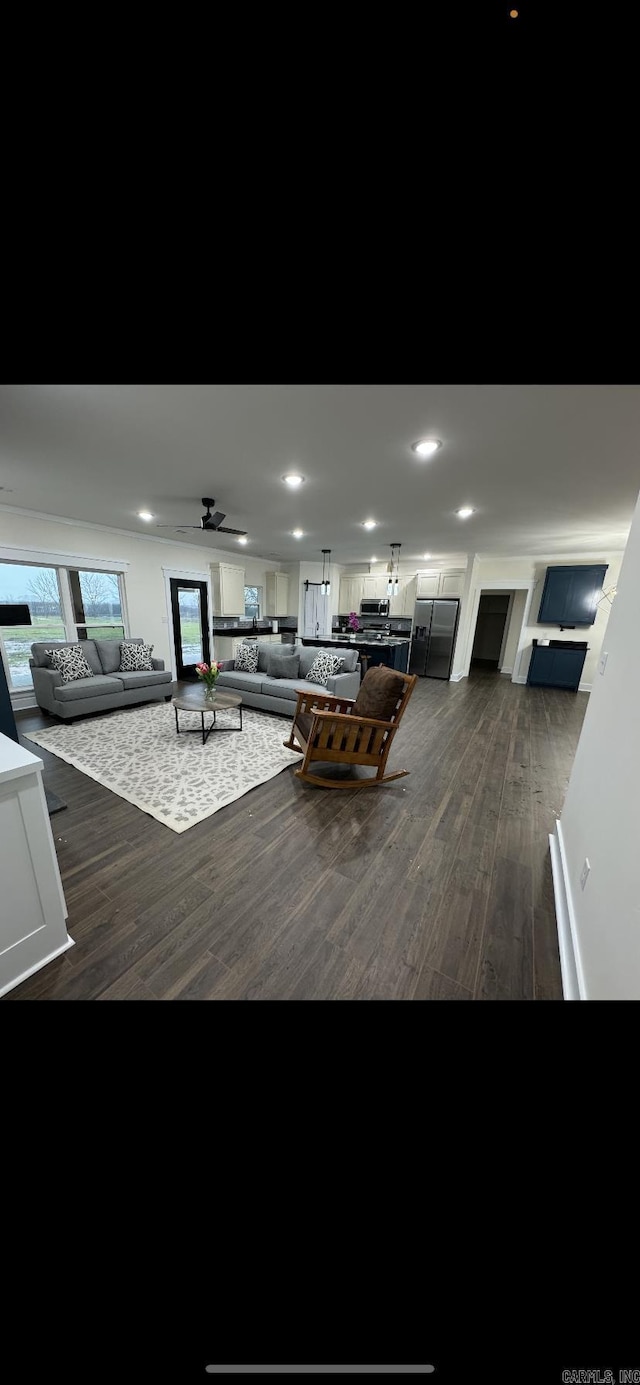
[
  {"x": 107, "y": 689},
  {"x": 280, "y": 694}
]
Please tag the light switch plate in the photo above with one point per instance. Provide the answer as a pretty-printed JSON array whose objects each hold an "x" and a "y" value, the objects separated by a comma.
[
  {"x": 603, "y": 663},
  {"x": 585, "y": 872}
]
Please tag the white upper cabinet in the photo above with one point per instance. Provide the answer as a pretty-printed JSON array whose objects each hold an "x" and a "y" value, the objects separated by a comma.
[
  {"x": 428, "y": 583},
  {"x": 351, "y": 593},
  {"x": 227, "y": 585},
  {"x": 374, "y": 588},
  {"x": 276, "y": 594},
  {"x": 403, "y": 602},
  {"x": 449, "y": 583}
]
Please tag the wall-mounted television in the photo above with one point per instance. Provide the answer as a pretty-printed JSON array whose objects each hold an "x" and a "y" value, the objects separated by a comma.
[{"x": 570, "y": 595}]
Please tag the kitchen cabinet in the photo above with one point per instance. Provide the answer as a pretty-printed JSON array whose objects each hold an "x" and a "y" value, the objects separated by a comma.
[
  {"x": 374, "y": 588},
  {"x": 570, "y": 594},
  {"x": 556, "y": 668},
  {"x": 227, "y": 585},
  {"x": 351, "y": 594},
  {"x": 276, "y": 594},
  {"x": 403, "y": 602},
  {"x": 433, "y": 584},
  {"x": 451, "y": 583}
]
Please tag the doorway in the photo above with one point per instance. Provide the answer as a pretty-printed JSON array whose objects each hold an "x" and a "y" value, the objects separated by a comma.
[
  {"x": 489, "y": 639},
  {"x": 190, "y": 619}
]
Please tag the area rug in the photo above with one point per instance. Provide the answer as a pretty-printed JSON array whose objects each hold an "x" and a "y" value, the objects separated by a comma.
[{"x": 177, "y": 779}]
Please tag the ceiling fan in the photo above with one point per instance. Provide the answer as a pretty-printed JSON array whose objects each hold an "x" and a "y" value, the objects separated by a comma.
[{"x": 212, "y": 522}]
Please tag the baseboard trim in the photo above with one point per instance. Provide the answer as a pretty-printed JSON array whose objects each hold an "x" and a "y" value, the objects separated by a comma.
[
  {"x": 507, "y": 671},
  {"x": 519, "y": 679},
  {"x": 23, "y": 701},
  {"x": 573, "y": 986},
  {"x": 31, "y": 971},
  {"x": 457, "y": 677},
  {"x": 585, "y": 687}
]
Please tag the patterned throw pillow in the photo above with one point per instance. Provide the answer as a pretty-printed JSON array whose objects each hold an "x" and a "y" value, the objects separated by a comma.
[
  {"x": 324, "y": 666},
  {"x": 135, "y": 658},
  {"x": 70, "y": 662},
  {"x": 247, "y": 658}
]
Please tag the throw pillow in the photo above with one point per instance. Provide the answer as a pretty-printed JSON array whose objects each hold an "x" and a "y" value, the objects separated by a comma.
[
  {"x": 324, "y": 666},
  {"x": 247, "y": 658},
  {"x": 135, "y": 658},
  {"x": 70, "y": 662},
  {"x": 283, "y": 665},
  {"x": 378, "y": 694}
]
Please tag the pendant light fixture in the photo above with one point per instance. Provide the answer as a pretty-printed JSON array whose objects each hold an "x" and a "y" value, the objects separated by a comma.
[
  {"x": 325, "y": 585},
  {"x": 393, "y": 569}
]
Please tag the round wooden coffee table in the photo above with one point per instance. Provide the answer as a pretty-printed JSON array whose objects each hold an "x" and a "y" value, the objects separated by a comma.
[{"x": 195, "y": 701}]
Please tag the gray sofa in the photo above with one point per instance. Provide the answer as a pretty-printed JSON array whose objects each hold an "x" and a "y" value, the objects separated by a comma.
[
  {"x": 107, "y": 689},
  {"x": 279, "y": 694}
]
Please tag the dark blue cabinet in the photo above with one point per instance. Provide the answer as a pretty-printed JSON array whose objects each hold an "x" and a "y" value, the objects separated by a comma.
[
  {"x": 570, "y": 594},
  {"x": 556, "y": 668}
]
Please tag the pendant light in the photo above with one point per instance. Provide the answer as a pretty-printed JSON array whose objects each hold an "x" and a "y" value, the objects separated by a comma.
[
  {"x": 393, "y": 569},
  {"x": 325, "y": 585}
]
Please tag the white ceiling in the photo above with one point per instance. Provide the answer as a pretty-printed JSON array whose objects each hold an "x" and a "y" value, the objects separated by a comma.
[{"x": 548, "y": 468}]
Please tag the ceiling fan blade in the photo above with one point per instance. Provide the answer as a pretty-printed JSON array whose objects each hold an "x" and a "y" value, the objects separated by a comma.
[
  {"x": 178, "y": 526},
  {"x": 221, "y": 530}
]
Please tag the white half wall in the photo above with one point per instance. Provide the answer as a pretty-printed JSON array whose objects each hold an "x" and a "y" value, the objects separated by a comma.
[{"x": 601, "y": 818}]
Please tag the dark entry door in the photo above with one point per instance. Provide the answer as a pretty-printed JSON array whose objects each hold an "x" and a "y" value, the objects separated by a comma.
[{"x": 190, "y": 611}]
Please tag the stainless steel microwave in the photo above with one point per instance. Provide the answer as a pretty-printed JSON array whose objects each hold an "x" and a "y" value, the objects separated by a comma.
[{"x": 374, "y": 608}]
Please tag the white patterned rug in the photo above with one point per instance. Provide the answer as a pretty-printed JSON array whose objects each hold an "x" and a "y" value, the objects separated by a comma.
[{"x": 178, "y": 780}]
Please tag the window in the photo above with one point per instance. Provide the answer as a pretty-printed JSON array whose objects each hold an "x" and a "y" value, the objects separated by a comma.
[
  {"x": 252, "y": 600},
  {"x": 40, "y": 589},
  {"x": 97, "y": 605},
  {"x": 65, "y": 604}
]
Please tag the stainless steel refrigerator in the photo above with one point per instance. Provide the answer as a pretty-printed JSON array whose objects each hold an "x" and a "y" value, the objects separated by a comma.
[{"x": 435, "y": 625}]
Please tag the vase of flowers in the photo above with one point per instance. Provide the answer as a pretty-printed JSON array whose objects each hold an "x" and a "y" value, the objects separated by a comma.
[
  {"x": 353, "y": 623},
  {"x": 208, "y": 674}
]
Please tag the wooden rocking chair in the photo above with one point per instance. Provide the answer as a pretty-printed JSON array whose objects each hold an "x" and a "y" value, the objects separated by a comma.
[{"x": 327, "y": 729}]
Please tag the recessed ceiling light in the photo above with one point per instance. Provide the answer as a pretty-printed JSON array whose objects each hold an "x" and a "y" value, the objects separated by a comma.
[
  {"x": 144, "y": 514},
  {"x": 369, "y": 523},
  {"x": 426, "y": 555},
  {"x": 464, "y": 512},
  {"x": 293, "y": 480},
  {"x": 242, "y": 539},
  {"x": 427, "y": 447},
  {"x": 298, "y": 533},
  {"x": 373, "y": 560}
]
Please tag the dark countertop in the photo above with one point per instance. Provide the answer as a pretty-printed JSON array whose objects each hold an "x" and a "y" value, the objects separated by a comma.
[
  {"x": 357, "y": 642},
  {"x": 232, "y": 631}
]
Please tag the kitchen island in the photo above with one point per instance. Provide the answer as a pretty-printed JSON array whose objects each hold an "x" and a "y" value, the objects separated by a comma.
[{"x": 388, "y": 651}]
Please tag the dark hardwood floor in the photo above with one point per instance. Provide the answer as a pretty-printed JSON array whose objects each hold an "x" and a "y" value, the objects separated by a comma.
[{"x": 437, "y": 887}]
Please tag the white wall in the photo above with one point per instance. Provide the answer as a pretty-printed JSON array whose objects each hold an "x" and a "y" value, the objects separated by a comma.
[
  {"x": 513, "y": 631},
  {"x": 144, "y": 581},
  {"x": 504, "y": 570},
  {"x": 601, "y": 817}
]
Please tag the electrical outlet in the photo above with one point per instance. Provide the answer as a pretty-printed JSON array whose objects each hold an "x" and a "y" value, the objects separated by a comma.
[
  {"x": 585, "y": 872},
  {"x": 603, "y": 663}
]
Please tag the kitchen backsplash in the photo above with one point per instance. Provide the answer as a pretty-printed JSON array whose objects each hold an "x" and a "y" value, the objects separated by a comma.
[
  {"x": 240, "y": 623},
  {"x": 398, "y": 625}
]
